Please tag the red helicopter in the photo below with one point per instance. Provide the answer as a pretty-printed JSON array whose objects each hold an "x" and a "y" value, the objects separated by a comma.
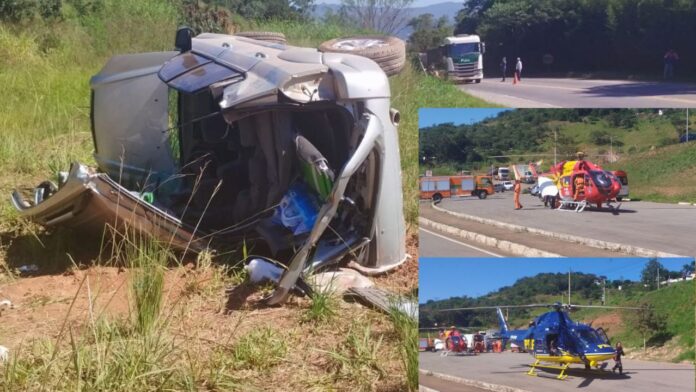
[{"x": 581, "y": 183}]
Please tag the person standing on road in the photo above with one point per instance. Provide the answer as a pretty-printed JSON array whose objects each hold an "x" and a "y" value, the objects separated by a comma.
[
  {"x": 517, "y": 189},
  {"x": 518, "y": 70},
  {"x": 671, "y": 58},
  {"x": 617, "y": 358},
  {"x": 503, "y": 67}
]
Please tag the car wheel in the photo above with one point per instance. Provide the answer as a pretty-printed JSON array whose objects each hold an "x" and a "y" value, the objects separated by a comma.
[
  {"x": 437, "y": 198},
  {"x": 478, "y": 81},
  {"x": 268, "y": 36},
  {"x": 387, "y": 51},
  {"x": 619, "y": 198},
  {"x": 482, "y": 195}
]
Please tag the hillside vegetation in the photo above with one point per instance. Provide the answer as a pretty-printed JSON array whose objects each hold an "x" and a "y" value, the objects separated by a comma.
[
  {"x": 642, "y": 142},
  {"x": 575, "y": 35}
]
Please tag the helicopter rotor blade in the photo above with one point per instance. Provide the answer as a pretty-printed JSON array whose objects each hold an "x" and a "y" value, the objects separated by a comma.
[
  {"x": 495, "y": 307},
  {"x": 555, "y": 305},
  {"x": 604, "y": 307}
]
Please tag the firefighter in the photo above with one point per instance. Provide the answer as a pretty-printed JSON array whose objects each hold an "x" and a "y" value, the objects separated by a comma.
[
  {"x": 517, "y": 189},
  {"x": 579, "y": 186}
]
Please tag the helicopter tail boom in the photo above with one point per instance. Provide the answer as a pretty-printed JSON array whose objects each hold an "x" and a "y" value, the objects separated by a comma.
[{"x": 502, "y": 323}]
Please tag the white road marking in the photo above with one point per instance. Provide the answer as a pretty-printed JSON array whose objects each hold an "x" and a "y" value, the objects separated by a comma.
[{"x": 461, "y": 243}]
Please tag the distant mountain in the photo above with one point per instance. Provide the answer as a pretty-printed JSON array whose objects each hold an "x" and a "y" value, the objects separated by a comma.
[{"x": 448, "y": 9}]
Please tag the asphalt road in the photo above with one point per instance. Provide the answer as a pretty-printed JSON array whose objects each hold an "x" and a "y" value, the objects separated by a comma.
[
  {"x": 435, "y": 244},
  {"x": 662, "y": 227},
  {"x": 509, "y": 369},
  {"x": 440, "y": 385},
  {"x": 584, "y": 93}
]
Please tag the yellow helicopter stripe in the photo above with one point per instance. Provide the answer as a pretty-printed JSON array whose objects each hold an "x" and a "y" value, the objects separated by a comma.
[{"x": 567, "y": 358}]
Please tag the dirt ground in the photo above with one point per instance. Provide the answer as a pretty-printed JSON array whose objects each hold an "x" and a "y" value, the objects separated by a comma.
[{"x": 202, "y": 310}]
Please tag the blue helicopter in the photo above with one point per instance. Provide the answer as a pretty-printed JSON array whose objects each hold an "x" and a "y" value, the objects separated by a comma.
[{"x": 554, "y": 340}]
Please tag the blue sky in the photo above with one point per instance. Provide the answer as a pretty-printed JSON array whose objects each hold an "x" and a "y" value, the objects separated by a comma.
[
  {"x": 434, "y": 116},
  {"x": 441, "y": 278}
]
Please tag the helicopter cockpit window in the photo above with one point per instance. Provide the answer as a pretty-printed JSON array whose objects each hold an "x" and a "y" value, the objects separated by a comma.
[
  {"x": 588, "y": 336},
  {"x": 601, "y": 178},
  {"x": 603, "y": 336}
]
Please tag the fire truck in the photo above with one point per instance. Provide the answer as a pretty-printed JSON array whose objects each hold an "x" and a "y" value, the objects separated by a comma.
[{"x": 436, "y": 188}]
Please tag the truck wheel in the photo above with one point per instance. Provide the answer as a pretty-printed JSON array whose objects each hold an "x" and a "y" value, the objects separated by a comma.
[
  {"x": 482, "y": 195},
  {"x": 268, "y": 36},
  {"x": 477, "y": 81},
  {"x": 437, "y": 198},
  {"x": 387, "y": 51},
  {"x": 619, "y": 198}
]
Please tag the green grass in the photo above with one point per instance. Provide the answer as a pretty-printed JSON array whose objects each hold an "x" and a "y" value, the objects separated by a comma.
[
  {"x": 660, "y": 175},
  {"x": 406, "y": 328},
  {"x": 356, "y": 359},
  {"x": 323, "y": 306},
  {"x": 261, "y": 349},
  {"x": 675, "y": 304}
]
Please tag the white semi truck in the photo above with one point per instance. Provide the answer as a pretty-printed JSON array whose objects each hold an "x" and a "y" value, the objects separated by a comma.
[{"x": 460, "y": 58}]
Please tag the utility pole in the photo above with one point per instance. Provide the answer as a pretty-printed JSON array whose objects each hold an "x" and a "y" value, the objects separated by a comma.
[
  {"x": 687, "y": 125},
  {"x": 569, "y": 286},
  {"x": 604, "y": 292},
  {"x": 611, "y": 149},
  {"x": 555, "y": 142},
  {"x": 658, "y": 277}
]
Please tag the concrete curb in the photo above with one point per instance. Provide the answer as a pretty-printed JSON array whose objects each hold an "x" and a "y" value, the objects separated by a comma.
[
  {"x": 423, "y": 388},
  {"x": 599, "y": 244},
  {"x": 507, "y": 246},
  {"x": 472, "y": 383}
]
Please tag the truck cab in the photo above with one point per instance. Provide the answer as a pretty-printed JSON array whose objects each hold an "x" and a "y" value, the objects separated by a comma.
[
  {"x": 623, "y": 179},
  {"x": 461, "y": 57}
]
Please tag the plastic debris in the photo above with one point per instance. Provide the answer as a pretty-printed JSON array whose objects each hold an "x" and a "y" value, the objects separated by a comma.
[
  {"x": 340, "y": 281},
  {"x": 298, "y": 209},
  {"x": 4, "y": 354},
  {"x": 261, "y": 270},
  {"x": 28, "y": 268}
]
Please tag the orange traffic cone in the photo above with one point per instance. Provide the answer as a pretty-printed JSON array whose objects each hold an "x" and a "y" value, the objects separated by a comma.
[{"x": 515, "y": 80}]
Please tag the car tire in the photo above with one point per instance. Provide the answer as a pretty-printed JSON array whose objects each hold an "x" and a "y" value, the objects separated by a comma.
[
  {"x": 478, "y": 81},
  {"x": 437, "y": 198},
  {"x": 387, "y": 51},
  {"x": 482, "y": 195},
  {"x": 619, "y": 198},
  {"x": 267, "y": 36}
]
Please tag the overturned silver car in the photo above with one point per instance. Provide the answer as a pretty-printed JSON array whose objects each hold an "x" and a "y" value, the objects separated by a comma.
[{"x": 233, "y": 139}]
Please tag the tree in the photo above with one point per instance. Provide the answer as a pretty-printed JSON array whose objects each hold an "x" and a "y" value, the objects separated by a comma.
[
  {"x": 649, "y": 323},
  {"x": 428, "y": 33},
  {"x": 268, "y": 9},
  {"x": 600, "y": 138},
  {"x": 649, "y": 275},
  {"x": 384, "y": 16}
]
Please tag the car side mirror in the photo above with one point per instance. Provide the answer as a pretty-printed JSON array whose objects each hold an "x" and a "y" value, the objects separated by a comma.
[
  {"x": 483, "y": 48},
  {"x": 183, "y": 39}
]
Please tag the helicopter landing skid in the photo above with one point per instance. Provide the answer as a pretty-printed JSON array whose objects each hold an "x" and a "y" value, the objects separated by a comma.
[
  {"x": 568, "y": 205},
  {"x": 538, "y": 364}
]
